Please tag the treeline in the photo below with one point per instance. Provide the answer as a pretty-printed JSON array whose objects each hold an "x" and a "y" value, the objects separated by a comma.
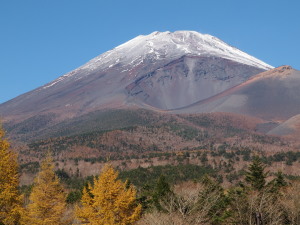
[
  {"x": 257, "y": 199},
  {"x": 141, "y": 178}
]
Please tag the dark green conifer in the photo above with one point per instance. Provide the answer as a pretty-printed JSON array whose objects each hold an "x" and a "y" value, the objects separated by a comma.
[
  {"x": 278, "y": 183},
  {"x": 279, "y": 180},
  {"x": 162, "y": 189},
  {"x": 256, "y": 176}
]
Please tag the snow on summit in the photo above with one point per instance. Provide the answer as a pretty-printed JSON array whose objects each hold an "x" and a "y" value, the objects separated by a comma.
[
  {"x": 162, "y": 70},
  {"x": 172, "y": 45},
  {"x": 164, "y": 45}
]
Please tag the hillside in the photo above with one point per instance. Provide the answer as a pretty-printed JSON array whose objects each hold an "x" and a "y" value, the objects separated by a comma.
[{"x": 150, "y": 139}]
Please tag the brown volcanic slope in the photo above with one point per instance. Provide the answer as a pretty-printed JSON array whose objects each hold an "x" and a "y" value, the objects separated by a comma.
[
  {"x": 164, "y": 86},
  {"x": 273, "y": 96},
  {"x": 146, "y": 131},
  {"x": 291, "y": 128}
]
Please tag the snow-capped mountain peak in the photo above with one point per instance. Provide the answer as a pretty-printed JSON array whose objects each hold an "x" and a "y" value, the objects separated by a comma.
[
  {"x": 160, "y": 45},
  {"x": 164, "y": 70}
]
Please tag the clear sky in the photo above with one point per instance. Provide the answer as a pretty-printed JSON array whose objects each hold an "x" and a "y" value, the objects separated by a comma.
[{"x": 41, "y": 40}]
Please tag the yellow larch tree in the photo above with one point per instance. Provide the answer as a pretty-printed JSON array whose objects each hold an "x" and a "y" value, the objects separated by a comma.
[
  {"x": 109, "y": 201},
  {"x": 10, "y": 199},
  {"x": 48, "y": 199}
]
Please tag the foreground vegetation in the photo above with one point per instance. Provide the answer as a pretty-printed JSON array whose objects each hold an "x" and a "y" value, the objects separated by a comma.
[
  {"x": 107, "y": 201},
  {"x": 184, "y": 194}
]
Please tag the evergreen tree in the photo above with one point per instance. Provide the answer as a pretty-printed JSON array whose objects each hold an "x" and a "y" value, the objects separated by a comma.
[
  {"x": 277, "y": 184},
  {"x": 161, "y": 190},
  {"x": 279, "y": 180},
  {"x": 109, "y": 201},
  {"x": 47, "y": 199},
  {"x": 10, "y": 200},
  {"x": 162, "y": 187},
  {"x": 258, "y": 203},
  {"x": 255, "y": 175},
  {"x": 212, "y": 198}
]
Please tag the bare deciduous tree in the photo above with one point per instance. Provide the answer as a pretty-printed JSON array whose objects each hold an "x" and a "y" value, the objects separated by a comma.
[
  {"x": 186, "y": 205},
  {"x": 248, "y": 206},
  {"x": 291, "y": 203}
]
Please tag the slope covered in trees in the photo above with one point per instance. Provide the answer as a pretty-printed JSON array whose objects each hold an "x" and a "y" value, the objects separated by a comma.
[{"x": 201, "y": 185}]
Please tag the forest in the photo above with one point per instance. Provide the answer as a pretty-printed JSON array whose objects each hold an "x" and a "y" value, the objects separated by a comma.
[{"x": 170, "y": 194}]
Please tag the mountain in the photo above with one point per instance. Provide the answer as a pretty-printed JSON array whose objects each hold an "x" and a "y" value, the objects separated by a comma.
[
  {"x": 160, "y": 71},
  {"x": 160, "y": 99}
]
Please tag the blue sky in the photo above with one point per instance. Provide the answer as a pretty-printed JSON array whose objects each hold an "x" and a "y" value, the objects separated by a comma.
[{"x": 42, "y": 40}]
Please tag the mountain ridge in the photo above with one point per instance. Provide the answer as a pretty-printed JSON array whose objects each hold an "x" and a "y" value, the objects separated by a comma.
[{"x": 276, "y": 89}]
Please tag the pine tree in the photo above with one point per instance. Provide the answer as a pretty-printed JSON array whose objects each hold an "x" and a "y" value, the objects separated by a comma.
[
  {"x": 108, "y": 201},
  {"x": 213, "y": 201},
  {"x": 161, "y": 191},
  {"x": 278, "y": 184},
  {"x": 47, "y": 199},
  {"x": 10, "y": 200},
  {"x": 279, "y": 180},
  {"x": 162, "y": 187},
  {"x": 255, "y": 175}
]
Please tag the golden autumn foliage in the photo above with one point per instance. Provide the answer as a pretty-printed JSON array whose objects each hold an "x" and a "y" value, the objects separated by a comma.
[
  {"x": 109, "y": 201},
  {"x": 10, "y": 200},
  {"x": 47, "y": 200}
]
